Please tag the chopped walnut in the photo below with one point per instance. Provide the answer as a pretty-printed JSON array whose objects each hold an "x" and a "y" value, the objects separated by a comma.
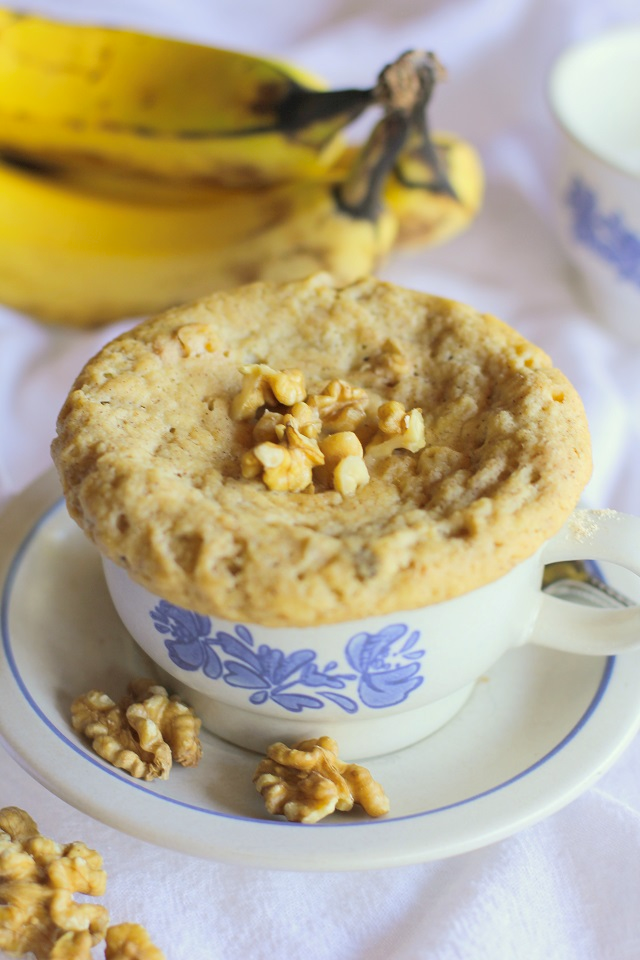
[
  {"x": 308, "y": 782},
  {"x": 344, "y": 467},
  {"x": 289, "y": 432},
  {"x": 130, "y": 941},
  {"x": 143, "y": 733},
  {"x": 198, "y": 338},
  {"x": 38, "y": 878},
  {"x": 391, "y": 362},
  {"x": 292, "y": 442},
  {"x": 262, "y": 386},
  {"x": 264, "y": 429},
  {"x": 271, "y": 424},
  {"x": 350, "y": 475},
  {"x": 340, "y": 405},
  {"x": 397, "y": 430},
  {"x": 307, "y": 420},
  {"x": 287, "y": 464}
]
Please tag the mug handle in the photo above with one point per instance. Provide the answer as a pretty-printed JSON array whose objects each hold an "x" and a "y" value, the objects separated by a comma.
[{"x": 591, "y": 535}]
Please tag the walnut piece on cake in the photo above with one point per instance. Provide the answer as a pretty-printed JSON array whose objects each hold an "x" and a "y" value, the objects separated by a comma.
[
  {"x": 341, "y": 406},
  {"x": 271, "y": 424},
  {"x": 263, "y": 386},
  {"x": 286, "y": 464},
  {"x": 344, "y": 462},
  {"x": 307, "y": 442},
  {"x": 397, "y": 430}
]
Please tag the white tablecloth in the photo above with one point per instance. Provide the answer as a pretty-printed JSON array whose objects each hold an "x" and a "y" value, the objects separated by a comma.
[{"x": 569, "y": 886}]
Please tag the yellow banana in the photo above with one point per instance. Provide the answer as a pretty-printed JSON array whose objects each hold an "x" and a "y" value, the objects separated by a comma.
[
  {"x": 85, "y": 246},
  {"x": 75, "y": 257},
  {"x": 431, "y": 210},
  {"x": 83, "y": 95},
  {"x": 428, "y": 214}
]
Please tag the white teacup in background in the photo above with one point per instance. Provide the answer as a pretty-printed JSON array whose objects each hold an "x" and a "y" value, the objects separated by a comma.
[
  {"x": 594, "y": 93},
  {"x": 382, "y": 683}
]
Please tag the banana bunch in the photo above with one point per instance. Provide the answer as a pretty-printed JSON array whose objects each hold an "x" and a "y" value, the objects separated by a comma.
[
  {"x": 86, "y": 96},
  {"x": 138, "y": 172}
]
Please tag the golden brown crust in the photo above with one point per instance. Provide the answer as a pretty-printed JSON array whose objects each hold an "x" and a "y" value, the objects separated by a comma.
[{"x": 149, "y": 455}]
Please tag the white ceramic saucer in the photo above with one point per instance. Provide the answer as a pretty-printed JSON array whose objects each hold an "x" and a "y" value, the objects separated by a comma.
[{"x": 539, "y": 729}]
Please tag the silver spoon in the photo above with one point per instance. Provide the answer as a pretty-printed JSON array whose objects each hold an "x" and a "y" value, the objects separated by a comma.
[{"x": 579, "y": 581}]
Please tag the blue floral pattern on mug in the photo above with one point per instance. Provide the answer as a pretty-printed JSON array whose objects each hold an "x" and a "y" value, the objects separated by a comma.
[
  {"x": 385, "y": 678},
  {"x": 606, "y": 234},
  {"x": 385, "y": 665}
]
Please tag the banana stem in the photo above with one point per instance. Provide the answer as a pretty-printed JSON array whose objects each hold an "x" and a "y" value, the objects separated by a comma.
[
  {"x": 420, "y": 147},
  {"x": 403, "y": 90},
  {"x": 360, "y": 193},
  {"x": 319, "y": 114},
  {"x": 408, "y": 83}
]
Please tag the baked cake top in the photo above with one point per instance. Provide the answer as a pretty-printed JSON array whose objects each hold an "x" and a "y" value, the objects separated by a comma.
[{"x": 293, "y": 454}]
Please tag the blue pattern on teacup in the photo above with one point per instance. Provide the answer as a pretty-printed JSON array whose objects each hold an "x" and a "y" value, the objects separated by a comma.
[
  {"x": 384, "y": 665},
  {"x": 385, "y": 679},
  {"x": 606, "y": 234}
]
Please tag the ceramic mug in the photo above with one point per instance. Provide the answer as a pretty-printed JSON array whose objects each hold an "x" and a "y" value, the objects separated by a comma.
[
  {"x": 382, "y": 683},
  {"x": 594, "y": 93}
]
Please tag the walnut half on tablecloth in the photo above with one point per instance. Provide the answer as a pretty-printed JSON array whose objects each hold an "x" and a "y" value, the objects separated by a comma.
[
  {"x": 130, "y": 941},
  {"x": 308, "y": 781},
  {"x": 38, "y": 880},
  {"x": 38, "y": 914}
]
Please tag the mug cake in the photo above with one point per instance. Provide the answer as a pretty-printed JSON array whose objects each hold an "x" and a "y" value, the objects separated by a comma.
[{"x": 305, "y": 453}]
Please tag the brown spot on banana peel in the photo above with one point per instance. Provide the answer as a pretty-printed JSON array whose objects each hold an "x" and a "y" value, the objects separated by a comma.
[
  {"x": 268, "y": 98},
  {"x": 305, "y": 115},
  {"x": 13, "y": 158}
]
